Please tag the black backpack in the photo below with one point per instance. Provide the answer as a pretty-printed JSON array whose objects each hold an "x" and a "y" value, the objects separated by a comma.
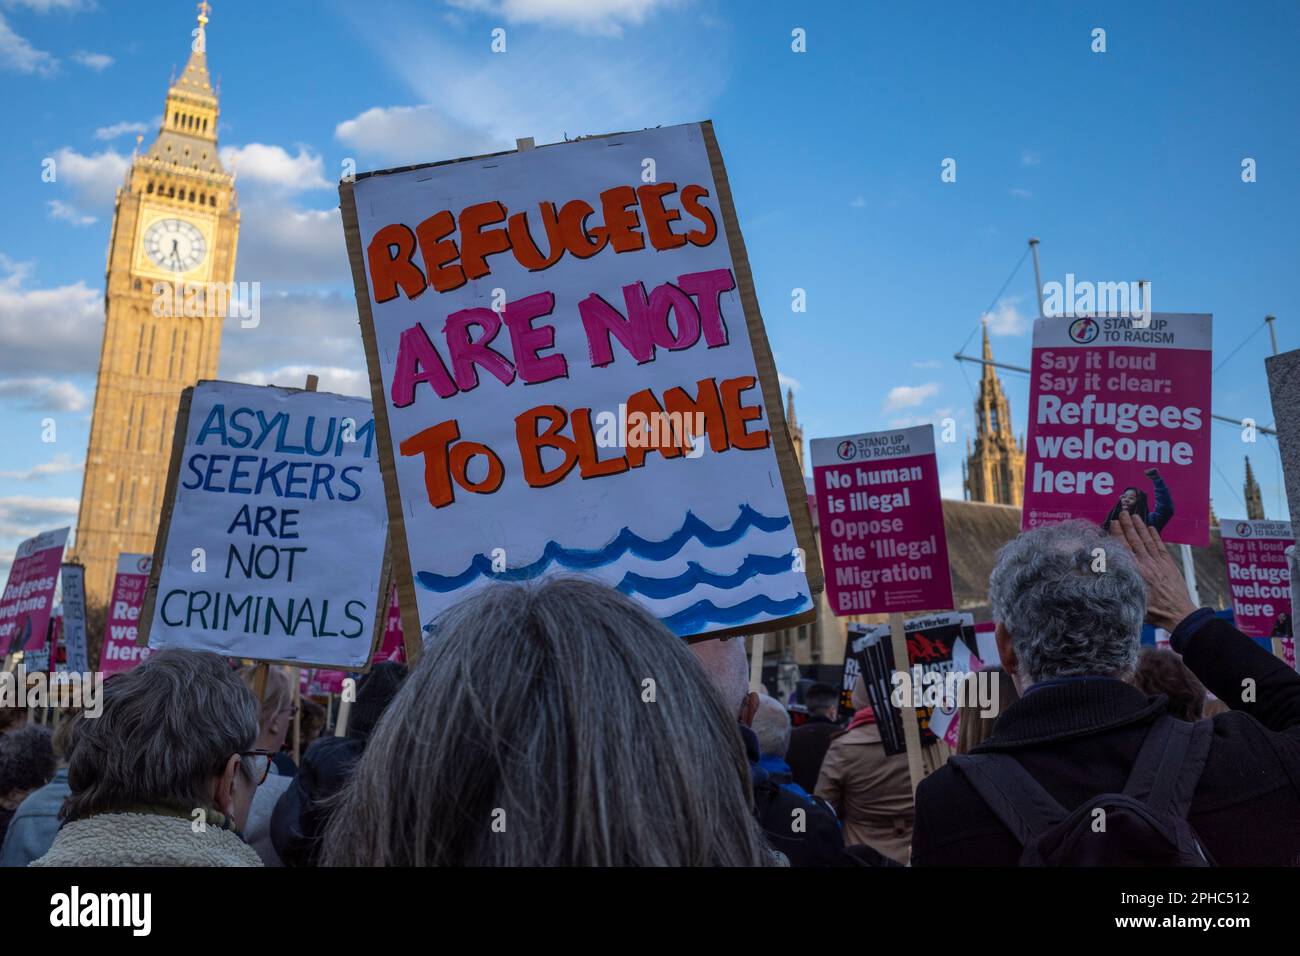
[{"x": 1146, "y": 825}]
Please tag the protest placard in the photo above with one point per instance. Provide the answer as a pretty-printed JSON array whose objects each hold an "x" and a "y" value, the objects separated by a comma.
[
  {"x": 1119, "y": 417},
  {"x": 884, "y": 547},
  {"x": 274, "y": 528},
  {"x": 73, "y": 577},
  {"x": 570, "y": 374},
  {"x": 873, "y": 657},
  {"x": 1259, "y": 576},
  {"x": 28, "y": 599},
  {"x": 120, "y": 651}
]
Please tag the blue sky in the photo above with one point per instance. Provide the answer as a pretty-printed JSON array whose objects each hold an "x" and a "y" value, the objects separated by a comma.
[{"x": 1127, "y": 164}]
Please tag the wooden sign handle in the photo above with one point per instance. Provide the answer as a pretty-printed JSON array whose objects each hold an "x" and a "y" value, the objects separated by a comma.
[{"x": 911, "y": 729}]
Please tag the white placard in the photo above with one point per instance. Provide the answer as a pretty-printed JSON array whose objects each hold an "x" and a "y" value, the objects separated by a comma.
[
  {"x": 277, "y": 529},
  {"x": 483, "y": 345}
]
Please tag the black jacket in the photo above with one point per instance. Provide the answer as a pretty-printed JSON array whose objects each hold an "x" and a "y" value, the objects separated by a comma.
[
  {"x": 808, "y": 746},
  {"x": 1080, "y": 738},
  {"x": 299, "y": 818}
]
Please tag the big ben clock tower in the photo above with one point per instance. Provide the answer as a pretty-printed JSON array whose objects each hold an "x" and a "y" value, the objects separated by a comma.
[{"x": 175, "y": 226}]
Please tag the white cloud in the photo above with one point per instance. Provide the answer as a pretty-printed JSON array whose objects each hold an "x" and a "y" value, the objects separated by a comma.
[
  {"x": 858, "y": 202},
  {"x": 118, "y": 129},
  {"x": 95, "y": 178},
  {"x": 47, "y": 331},
  {"x": 607, "y": 17},
  {"x": 548, "y": 91},
  {"x": 44, "y": 394},
  {"x": 928, "y": 363},
  {"x": 22, "y": 516},
  {"x": 341, "y": 381},
  {"x": 48, "y": 6},
  {"x": 99, "y": 62},
  {"x": 279, "y": 244},
  {"x": 317, "y": 333},
  {"x": 404, "y": 135},
  {"x": 264, "y": 165},
  {"x": 58, "y": 465},
  {"x": 1029, "y": 157},
  {"x": 788, "y": 381},
  {"x": 909, "y": 396},
  {"x": 67, "y": 213},
  {"x": 1021, "y": 193},
  {"x": 1006, "y": 318},
  {"x": 19, "y": 56}
]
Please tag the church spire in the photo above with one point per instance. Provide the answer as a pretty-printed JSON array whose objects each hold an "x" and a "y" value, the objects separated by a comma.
[
  {"x": 1254, "y": 500},
  {"x": 995, "y": 467}
]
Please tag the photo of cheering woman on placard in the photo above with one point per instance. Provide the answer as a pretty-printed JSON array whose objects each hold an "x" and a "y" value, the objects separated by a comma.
[{"x": 1134, "y": 501}]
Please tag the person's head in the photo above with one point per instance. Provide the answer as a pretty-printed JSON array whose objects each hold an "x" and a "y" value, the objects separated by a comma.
[
  {"x": 549, "y": 724},
  {"x": 173, "y": 733},
  {"x": 1069, "y": 601},
  {"x": 771, "y": 725},
  {"x": 65, "y": 735},
  {"x": 11, "y": 718},
  {"x": 275, "y": 712},
  {"x": 312, "y": 722},
  {"x": 727, "y": 665},
  {"x": 1161, "y": 671},
  {"x": 975, "y": 721},
  {"x": 822, "y": 700},
  {"x": 375, "y": 691},
  {"x": 27, "y": 762},
  {"x": 1128, "y": 499}
]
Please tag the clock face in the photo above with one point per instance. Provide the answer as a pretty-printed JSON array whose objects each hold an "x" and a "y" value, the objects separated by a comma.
[{"x": 175, "y": 245}]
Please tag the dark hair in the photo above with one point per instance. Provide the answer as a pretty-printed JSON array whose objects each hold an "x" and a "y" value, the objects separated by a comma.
[
  {"x": 26, "y": 759},
  {"x": 375, "y": 691},
  {"x": 819, "y": 698},
  {"x": 1139, "y": 509},
  {"x": 1161, "y": 671},
  {"x": 167, "y": 729}
]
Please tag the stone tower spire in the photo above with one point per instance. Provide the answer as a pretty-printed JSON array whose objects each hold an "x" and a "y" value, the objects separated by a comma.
[
  {"x": 995, "y": 467},
  {"x": 1254, "y": 500}
]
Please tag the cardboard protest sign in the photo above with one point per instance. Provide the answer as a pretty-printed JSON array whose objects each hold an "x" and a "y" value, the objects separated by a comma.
[
  {"x": 852, "y": 668},
  {"x": 120, "y": 651},
  {"x": 73, "y": 577},
  {"x": 932, "y": 642},
  {"x": 1258, "y": 575},
  {"x": 874, "y": 655},
  {"x": 1119, "y": 417},
  {"x": 393, "y": 646},
  {"x": 883, "y": 542},
  {"x": 570, "y": 374},
  {"x": 274, "y": 529},
  {"x": 28, "y": 599}
]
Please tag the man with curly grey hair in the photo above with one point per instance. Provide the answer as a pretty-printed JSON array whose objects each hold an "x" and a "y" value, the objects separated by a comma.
[{"x": 1069, "y": 601}]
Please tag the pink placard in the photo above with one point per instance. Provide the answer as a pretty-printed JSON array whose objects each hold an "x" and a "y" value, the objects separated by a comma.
[
  {"x": 1110, "y": 400},
  {"x": 120, "y": 651},
  {"x": 392, "y": 648},
  {"x": 28, "y": 598},
  {"x": 881, "y": 520},
  {"x": 1258, "y": 575}
]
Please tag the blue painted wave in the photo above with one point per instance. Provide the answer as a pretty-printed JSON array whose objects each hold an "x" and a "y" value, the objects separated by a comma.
[
  {"x": 701, "y": 614},
  {"x": 696, "y": 574},
  {"x": 625, "y": 542}
]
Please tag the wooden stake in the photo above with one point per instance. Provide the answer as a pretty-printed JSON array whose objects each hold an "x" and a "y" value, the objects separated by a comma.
[
  {"x": 341, "y": 725},
  {"x": 756, "y": 662},
  {"x": 297, "y": 714},
  {"x": 911, "y": 729}
]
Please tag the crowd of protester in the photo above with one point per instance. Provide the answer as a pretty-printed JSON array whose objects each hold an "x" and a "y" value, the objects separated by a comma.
[{"x": 560, "y": 724}]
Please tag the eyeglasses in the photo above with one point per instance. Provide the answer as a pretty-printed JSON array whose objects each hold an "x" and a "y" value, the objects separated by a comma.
[{"x": 265, "y": 757}]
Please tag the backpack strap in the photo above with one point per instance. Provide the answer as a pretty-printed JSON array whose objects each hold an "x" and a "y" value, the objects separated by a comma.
[
  {"x": 1016, "y": 798},
  {"x": 1169, "y": 765}
]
